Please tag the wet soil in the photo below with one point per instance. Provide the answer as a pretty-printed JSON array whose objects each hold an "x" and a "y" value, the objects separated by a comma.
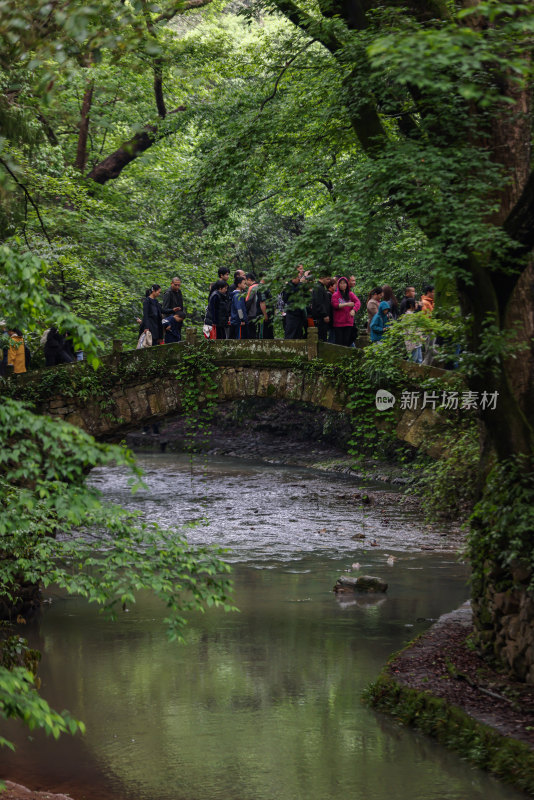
[
  {"x": 284, "y": 433},
  {"x": 443, "y": 663},
  {"x": 276, "y": 433}
]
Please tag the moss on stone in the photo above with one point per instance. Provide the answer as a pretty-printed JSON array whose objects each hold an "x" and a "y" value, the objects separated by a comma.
[{"x": 509, "y": 759}]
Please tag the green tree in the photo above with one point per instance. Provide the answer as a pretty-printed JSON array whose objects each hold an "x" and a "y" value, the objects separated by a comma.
[{"x": 54, "y": 528}]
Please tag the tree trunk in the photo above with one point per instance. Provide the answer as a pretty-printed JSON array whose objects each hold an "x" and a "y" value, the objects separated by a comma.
[
  {"x": 158, "y": 88},
  {"x": 81, "y": 150}
]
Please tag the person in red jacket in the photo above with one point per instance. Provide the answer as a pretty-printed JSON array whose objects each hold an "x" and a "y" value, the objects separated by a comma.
[{"x": 345, "y": 305}]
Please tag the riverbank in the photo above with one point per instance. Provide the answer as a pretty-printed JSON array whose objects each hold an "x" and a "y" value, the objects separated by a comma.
[
  {"x": 14, "y": 791},
  {"x": 441, "y": 686}
]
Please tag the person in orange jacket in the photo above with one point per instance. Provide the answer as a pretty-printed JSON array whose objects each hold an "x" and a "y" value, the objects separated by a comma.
[{"x": 427, "y": 299}]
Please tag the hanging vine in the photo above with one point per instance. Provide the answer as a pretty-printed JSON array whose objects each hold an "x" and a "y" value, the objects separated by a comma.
[{"x": 195, "y": 373}]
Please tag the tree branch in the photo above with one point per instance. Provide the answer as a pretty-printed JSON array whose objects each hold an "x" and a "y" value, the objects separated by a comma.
[
  {"x": 157, "y": 66},
  {"x": 326, "y": 183},
  {"x": 81, "y": 149},
  {"x": 112, "y": 166},
  {"x": 309, "y": 25},
  {"x": 280, "y": 76},
  {"x": 362, "y": 112},
  {"x": 180, "y": 8},
  {"x": 158, "y": 88},
  {"x": 49, "y": 131},
  {"x": 28, "y": 197}
]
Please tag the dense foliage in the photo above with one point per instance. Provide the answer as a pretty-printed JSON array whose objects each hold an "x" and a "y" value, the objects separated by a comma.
[{"x": 141, "y": 140}]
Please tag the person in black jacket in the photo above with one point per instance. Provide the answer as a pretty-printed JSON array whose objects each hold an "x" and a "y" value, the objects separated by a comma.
[
  {"x": 226, "y": 298},
  {"x": 218, "y": 308},
  {"x": 172, "y": 327},
  {"x": 173, "y": 301},
  {"x": 321, "y": 308},
  {"x": 265, "y": 299},
  {"x": 296, "y": 295},
  {"x": 54, "y": 350},
  {"x": 152, "y": 315}
]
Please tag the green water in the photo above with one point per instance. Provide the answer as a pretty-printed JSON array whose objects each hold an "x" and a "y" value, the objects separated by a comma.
[{"x": 256, "y": 705}]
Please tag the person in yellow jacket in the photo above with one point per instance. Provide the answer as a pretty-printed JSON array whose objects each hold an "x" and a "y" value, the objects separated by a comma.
[{"x": 15, "y": 351}]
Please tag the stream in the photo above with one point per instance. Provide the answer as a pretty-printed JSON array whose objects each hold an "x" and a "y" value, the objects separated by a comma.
[{"x": 263, "y": 704}]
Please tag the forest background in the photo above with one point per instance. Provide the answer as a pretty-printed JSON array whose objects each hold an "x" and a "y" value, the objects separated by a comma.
[{"x": 250, "y": 151}]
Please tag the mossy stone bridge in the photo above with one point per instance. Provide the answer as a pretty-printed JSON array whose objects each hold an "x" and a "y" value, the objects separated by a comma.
[{"x": 136, "y": 387}]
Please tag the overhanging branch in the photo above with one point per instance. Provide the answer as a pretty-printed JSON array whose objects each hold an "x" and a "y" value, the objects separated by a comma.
[
  {"x": 179, "y": 8},
  {"x": 112, "y": 166}
]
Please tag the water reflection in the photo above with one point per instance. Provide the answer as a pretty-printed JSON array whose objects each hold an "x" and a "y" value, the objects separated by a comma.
[
  {"x": 260, "y": 704},
  {"x": 256, "y": 705}
]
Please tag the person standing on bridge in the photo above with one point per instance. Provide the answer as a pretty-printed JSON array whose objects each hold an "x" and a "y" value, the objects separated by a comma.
[
  {"x": 321, "y": 306},
  {"x": 380, "y": 322},
  {"x": 295, "y": 296},
  {"x": 152, "y": 316},
  {"x": 389, "y": 297},
  {"x": 427, "y": 299},
  {"x": 345, "y": 305},
  {"x": 238, "y": 313},
  {"x": 352, "y": 288},
  {"x": 409, "y": 294},
  {"x": 173, "y": 301},
  {"x": 55, "y": 351},
  {"x": 172, "y": 326},
  {"x": 16, "y": 355},
  {"x": 414, "y": 339},
  {"x": 218, "y": 308},
  {"x": 239, "y": 273},
  {"x": 373, "y": 301},
  {"x": 265, "y": 299},
  {"x": 253, "y": 305},
  {"x": 224, "y": 308}
]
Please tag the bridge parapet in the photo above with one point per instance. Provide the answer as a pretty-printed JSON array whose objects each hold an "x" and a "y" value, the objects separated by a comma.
[{"x": 132, "y": 388}]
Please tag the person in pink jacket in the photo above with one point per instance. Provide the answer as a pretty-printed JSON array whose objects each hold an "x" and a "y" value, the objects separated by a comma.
[{"x": 345, "y": 305}]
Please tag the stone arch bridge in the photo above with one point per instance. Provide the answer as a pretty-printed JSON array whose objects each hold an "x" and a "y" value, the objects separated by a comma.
[{"x": 136, "y": 387}]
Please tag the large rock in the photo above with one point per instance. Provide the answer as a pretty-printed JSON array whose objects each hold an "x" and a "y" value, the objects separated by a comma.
[{"x": 363, "y": 583}]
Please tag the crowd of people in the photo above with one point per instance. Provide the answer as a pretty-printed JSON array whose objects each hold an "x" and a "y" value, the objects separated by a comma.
[{"x": 246, "y": 309}]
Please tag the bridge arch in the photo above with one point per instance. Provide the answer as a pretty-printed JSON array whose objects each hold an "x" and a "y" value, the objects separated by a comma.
[{"x": 133, "y": 388}]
